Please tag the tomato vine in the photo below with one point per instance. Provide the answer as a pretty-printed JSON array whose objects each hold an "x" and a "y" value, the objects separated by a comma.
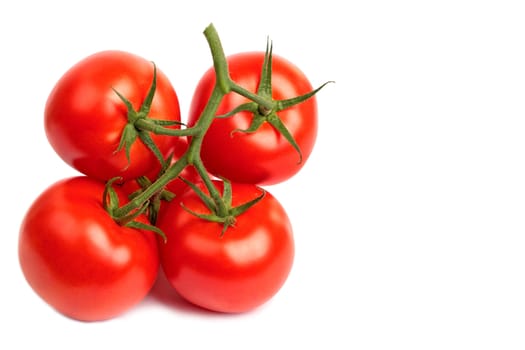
[{"x": 260, "y": 101}]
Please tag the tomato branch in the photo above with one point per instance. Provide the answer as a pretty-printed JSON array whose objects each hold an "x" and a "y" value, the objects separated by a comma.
[
  {"x": 192, "y": 155},
  {"x": 263, "y": 107}
]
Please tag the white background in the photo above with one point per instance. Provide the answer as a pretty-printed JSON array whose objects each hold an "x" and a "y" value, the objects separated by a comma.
[{"x": 408, "y": 217}]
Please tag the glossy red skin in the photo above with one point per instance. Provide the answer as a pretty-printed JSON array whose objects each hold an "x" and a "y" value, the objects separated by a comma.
[
  {"x": 236, "y": 272},
  {"x": 84, "y": 117},
  {"x": 263, "y": 158},
  {"x": 78, "y": 260}
]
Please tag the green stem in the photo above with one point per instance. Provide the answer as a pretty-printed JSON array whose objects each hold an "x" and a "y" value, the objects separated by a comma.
[
  {"x": 222, "y": 208},
  {"x": 193, "y": 153},
  {"x": 171, "y": 173},
  {"x": 223, "y": 80},
  {"x": 192, "y": 156},
  {"x": 220, "y": 63},
  {"x": 147, "y": 125}
]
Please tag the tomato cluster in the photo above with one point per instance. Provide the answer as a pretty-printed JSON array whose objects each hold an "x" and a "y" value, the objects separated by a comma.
[{"x": 155, "y": 194}]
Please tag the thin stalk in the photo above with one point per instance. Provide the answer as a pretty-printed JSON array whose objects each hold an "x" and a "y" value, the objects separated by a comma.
[
  {"x": 171, "y": 173},
  {"x": 223, "y": 80},
  {"x": 222, "y": 208},
  {"x": 145, "y": 124}
]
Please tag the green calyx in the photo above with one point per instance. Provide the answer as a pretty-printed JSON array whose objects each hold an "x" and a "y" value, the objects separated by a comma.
[
  {"x": 131, "y": 132},
  {"x": 110, "y": 202},
  {"x": 264, "y": 108},
  {"x": 225, "y": 215}
]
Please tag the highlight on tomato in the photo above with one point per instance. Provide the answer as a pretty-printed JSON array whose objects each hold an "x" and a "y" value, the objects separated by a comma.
[
  {"x": 78, "y": 259},
  {"x": 256, "y": 145},
  {"x": 233, "y": 270},
  {"x": 91, "y": 111}
]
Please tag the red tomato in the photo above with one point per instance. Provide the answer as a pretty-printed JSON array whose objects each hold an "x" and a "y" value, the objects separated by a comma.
[
  {"x": 264, "y": 157},
  {"x": 78, "y": 260},
  {"x": 84, "y": 117},
  {"x": 236, "y": 272}
]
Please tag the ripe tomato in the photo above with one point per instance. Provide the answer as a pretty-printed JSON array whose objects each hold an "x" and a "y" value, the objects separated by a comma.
[
  {"x": 85, "y": 118},
  {"x": 78, "y": 260},
  {"x": 264, "y": 157},
  {"x": 235, "y": 272}
]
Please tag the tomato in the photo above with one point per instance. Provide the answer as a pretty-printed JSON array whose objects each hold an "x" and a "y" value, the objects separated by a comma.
[
  {"x": 78, "y": 259},
  {"x": 237, "y": 271},
  {"x": 85, "y": 118},
  {"x": 264, "y": 157}
]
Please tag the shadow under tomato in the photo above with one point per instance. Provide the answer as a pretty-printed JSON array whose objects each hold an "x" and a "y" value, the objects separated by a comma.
[{"x": 162, "y": 292}]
